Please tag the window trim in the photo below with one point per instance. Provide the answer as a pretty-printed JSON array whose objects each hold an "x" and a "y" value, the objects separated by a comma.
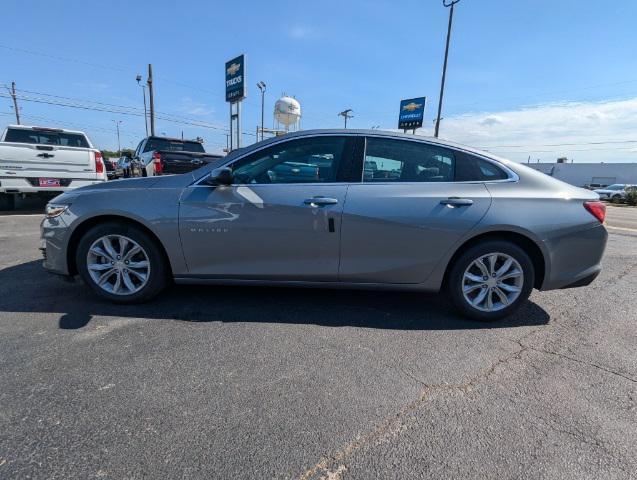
[{"x": 512, "y": 176}]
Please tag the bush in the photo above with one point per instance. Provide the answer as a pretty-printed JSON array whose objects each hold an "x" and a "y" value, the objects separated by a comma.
[{"x": 631, "y": 197}]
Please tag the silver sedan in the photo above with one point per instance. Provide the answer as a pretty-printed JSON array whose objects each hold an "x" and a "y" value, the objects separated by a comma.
[{"x": 335, "y": 208}]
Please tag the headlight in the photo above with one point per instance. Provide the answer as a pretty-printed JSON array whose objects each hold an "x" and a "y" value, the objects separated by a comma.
[{"x": 52, "y": 210}]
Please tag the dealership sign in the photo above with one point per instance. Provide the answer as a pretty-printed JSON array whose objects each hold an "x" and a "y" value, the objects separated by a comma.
[
  {"x": 235, "y": 79},
  {"x": 411, "y": 113}
]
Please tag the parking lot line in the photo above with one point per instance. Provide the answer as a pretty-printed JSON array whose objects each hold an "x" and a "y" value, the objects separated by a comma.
[{"x": 623, "y": 229}]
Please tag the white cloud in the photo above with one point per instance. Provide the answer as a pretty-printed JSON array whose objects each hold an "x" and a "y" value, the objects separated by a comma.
[
  {"x": 538, "y": 128},
  {"x": 192, "y": 107},
  {"x": 300, "y": 32}
]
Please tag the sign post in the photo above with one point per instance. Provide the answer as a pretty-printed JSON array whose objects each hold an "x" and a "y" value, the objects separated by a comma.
[
  {"x": 412, "y": 111},
  {"x": 235, "y": 93}
]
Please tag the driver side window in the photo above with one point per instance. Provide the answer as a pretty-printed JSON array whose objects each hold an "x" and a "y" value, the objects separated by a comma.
[{"x": 306, "y": 160}]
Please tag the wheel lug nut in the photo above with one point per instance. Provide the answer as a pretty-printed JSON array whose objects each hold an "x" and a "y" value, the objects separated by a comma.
[
  {"x": 485, "y": 278},
  {"x": 118, "y": 257}
]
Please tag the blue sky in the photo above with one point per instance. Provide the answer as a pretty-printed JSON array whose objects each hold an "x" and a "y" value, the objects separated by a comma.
[{"x": 522, "y": 73}]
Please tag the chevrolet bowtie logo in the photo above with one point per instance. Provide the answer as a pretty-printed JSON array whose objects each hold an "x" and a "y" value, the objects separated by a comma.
[
  {"x": 410, "y": 107},
  {"x": 233, "y": 69}
]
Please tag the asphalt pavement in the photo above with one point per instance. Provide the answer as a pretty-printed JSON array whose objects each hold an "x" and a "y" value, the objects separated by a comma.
[{"x": 216, "y": 382}]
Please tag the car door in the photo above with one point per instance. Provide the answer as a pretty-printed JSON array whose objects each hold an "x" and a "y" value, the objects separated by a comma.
[
  {"x": 280, "y": 220},
  {"x": 407, "y": 212}
]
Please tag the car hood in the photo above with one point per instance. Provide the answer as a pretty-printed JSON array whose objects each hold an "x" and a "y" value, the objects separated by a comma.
[
  {"x": 169, "y": 181},
  {"x": 127, "y": 184},
  {"x": 601, "y": 190}
]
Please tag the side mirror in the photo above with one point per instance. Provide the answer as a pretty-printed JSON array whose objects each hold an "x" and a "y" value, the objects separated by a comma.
[{"x": 220, "y": 176}]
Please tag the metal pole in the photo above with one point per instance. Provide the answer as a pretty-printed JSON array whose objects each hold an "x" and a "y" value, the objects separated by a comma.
[
  {"x": 444, "y": 67},
  {"x": 231, "y": 127},
  {"x": 15, "y": 103},
  {"x": 239, "y": 124},
  {"x": 145, "y": 112},
  {"x": 119, "y": 145},
  {"x": 151, "y": 99},
  {"x": 262, "y": 109}
]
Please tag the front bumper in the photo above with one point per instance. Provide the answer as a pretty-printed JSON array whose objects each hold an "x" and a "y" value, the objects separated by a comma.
[{"x": 53, "y": 243}]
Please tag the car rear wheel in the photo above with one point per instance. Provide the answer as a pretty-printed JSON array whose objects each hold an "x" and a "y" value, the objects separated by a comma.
[
  {"x": 491, "y": 280},
  {"x": 121, "y": 263}
]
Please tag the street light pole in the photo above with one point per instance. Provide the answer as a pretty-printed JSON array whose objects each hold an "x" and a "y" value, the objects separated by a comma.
[
  {"x": 119, "y": 145},
  {"x": 262, "y": 87},
  {"x": 444, "y": 67},
  {"x": 151, "y": 99},
  {"x": 139, "y": 79}
]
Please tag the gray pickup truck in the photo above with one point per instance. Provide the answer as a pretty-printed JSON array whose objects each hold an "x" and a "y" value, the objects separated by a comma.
[{"x": 167, "y": 156}]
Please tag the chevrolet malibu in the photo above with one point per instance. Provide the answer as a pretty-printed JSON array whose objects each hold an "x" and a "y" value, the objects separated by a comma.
[{"x": 335, "y": 208}]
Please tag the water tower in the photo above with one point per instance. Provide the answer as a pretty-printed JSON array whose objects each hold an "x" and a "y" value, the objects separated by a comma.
[{"x": 287, "y": 112}]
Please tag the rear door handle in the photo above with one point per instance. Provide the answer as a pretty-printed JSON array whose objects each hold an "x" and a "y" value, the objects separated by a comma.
[
  {"x": 320, "y": 201},
  {"x": 457, "y": 202}
]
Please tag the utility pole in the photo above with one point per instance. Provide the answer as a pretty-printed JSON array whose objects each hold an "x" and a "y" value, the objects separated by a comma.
[
  {"x": 444, "y": 67},
  {"x": 151, "y": 99},
  {"x": 346, "y": 114},
  {"x": 15, "y": 103},
  {"x": 262, "y": 87},
  {"x": 119, "y": 145},
  {"x": 139, "y": 79}
]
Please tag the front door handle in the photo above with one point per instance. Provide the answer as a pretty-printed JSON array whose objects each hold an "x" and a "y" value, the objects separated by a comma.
[
  {"x": 320, "y": 201},
  {"x": 457, "y": 202}
]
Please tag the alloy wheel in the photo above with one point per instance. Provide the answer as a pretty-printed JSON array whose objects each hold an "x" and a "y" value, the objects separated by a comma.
[
  {"x": 118, "y": 265},
  {"x": 492, "y": 282}
]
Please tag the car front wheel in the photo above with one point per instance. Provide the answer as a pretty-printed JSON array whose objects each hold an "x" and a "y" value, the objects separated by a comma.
[
  {"x": 491, "y": 280},
  {"x": 121, "y": 263}
]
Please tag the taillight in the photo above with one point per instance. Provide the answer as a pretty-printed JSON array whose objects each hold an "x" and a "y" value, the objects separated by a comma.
[
  {"x": 597, "y": 209},
  {"x": 157, "y": 166},
  {"x": 99, "y": 163}
]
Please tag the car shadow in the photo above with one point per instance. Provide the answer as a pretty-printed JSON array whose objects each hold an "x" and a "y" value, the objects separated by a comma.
[{"x": 28, "y": 288}]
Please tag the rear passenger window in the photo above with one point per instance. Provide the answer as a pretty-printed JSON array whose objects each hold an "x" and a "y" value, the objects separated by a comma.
[
  {"x": 388, "y": 160},
  {"x": 470, "y": 168}
]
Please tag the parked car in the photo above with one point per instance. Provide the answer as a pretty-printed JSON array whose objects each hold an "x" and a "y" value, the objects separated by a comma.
[
  {"x": 166, "y": 156},
  {"x": 445, "y": 217},
  {"x": 111, "y": 168},
  {"x": 39, "y": 161},
  {"x": 128, "y": 167},
  {"x": 615, "y": 192}
]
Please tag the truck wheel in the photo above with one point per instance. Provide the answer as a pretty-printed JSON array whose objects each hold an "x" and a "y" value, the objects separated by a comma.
[{"x": 7, "y": 201}]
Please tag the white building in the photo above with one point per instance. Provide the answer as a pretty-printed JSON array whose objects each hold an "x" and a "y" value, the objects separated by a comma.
[{"x": 581, "y": 174}]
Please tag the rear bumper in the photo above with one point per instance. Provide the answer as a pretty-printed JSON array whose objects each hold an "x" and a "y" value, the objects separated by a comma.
[
  {"x": 575, "y": 258},
  {"x": 24, "y": 185}
]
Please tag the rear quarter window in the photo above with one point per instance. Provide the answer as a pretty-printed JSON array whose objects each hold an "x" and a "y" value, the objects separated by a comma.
[
  {"x": 46, "y": 137},
  {"x": 470, "y": 168}
]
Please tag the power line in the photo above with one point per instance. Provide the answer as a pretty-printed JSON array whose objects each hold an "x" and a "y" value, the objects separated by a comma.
[{"x": 123, "y": 110}]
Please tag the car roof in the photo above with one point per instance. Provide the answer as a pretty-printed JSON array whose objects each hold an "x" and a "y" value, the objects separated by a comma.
[
  {"x": 36, "y": 127},
  {"x": 369, "y": 132}
]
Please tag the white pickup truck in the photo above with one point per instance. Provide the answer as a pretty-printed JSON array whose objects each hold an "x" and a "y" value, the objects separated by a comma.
[{"x": 45, "y": 161}]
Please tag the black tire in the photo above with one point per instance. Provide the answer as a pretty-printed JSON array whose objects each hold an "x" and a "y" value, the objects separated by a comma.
[
  {"x": 159, "y": 271},
  {"x": 455, "y": 279},
  {"x": 7, "y": 201},
  {"x": 616, "y": 199}
]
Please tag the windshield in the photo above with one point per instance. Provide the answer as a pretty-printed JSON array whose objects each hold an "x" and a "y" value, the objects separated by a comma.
[
  {"x": 46, "y": 137},
  {"x": 173, "y": 145},
  {"x": 616, "y": 186}
]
